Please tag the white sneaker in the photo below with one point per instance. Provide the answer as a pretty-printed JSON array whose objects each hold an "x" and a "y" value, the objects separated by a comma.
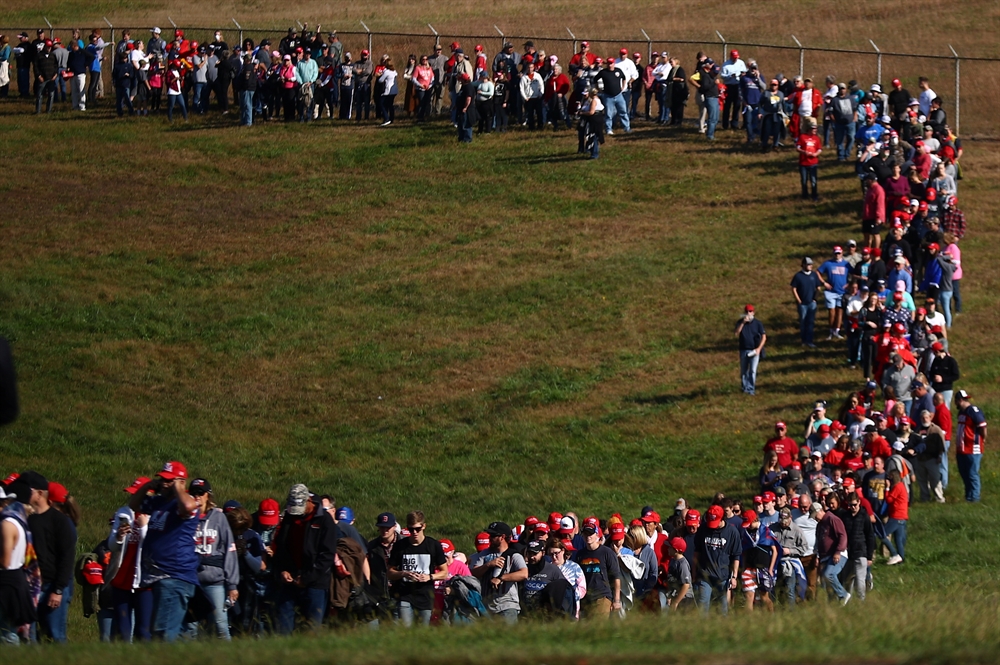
[
  {"x": 893, "y": 560},
  {"x": 386, "y": 123},
  {"x": 611, "y": 133},
  {"x": 846, "y": 599}
]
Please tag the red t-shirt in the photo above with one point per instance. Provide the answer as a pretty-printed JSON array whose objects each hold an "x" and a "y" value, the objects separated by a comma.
[
  {"x": 784, "y": 447},
  {"x": 879, "y": 447},
  {"x": 812, "y": 144}
]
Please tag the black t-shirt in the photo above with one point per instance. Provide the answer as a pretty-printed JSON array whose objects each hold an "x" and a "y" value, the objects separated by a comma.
[
  {"x": 751, "y": 335},
  {"x": 423, "y": 558},
  {"x": 805, "y": 285},
  {"x": 466, "y": 93},
  {"x": 599, "y": 566},
  {"x": 717, "y": 549},
  {"x": 539, "y": 577},
  {"x": 613, "y": 81},
  {"x": 54, "y": 538}
]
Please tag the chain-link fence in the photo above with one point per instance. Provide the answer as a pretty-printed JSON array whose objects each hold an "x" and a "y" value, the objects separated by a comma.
[{"x": 969, "y": 86}]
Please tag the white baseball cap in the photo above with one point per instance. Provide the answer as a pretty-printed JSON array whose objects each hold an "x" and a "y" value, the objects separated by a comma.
[{"x": 155, "y": 31}]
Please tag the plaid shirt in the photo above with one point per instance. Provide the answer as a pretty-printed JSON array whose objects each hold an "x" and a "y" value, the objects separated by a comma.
[{"x": 954, "y": 222}]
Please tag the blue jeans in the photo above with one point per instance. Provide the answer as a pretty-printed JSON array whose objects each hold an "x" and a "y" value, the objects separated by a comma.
[
  {"x": 405, "y": 613},
  {"x": 24, "y": 83},
  {"x": 311, "y": 604},
  {"x": 705, "y": 592},
  {"x": 176, "y": 99},
  {"x": 615, "y": 107},
  {"x": 751, "y": 123},
  {"x": 464, "y": 132},
  {"x": 843, "y": 133},
  {"x": 897, "y": 527},
  {"x": 944, "y": 459},
  {"x": 216, "y": 593},
  {"x": 661, "y": 100},
  {"x": 831, "y": 573},
  {"x": 712, "y": 106},
  {"x": 105, "y": 624},
  {"x": 807, "y": 321},
  {"x": 956, "y": 285},
  {"x": 770, "y": 131},
  {"x": 46, "y": 91},
  {"x": 748, "y": 371},
  {"x": 810, "y": 179},
  {"x": 246, "y": 108},
  {"x": 52, "y": 623},
  {"x": 197, "y": 104},
  {"x": 968, "y": 468},
  {"x": 170, "y": 602},
  {"x": 944, "y": 306},
  {"x": 128, "y": 604}
]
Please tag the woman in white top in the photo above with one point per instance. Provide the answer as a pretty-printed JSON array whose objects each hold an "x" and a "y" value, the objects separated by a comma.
[
  {"x": 16, "y": 605},
  {"x": 391, "y": 89}
]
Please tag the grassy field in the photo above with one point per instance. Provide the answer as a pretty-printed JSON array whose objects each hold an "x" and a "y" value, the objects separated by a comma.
[{"x": 480, "y": 332}]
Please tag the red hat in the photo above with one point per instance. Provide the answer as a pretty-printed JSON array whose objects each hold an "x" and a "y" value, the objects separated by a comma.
[
  {"x": 896, "y": 82},
  {"x": 758, "y": 499},
  {"x": 748, "y": 308},
  {"x": 269, "y": 512},
  {"x": 178, "y": 33},
  {"x": 837, "y": 249},
  {"x": 678, "y": 544},
  {"x": 936, "y": 346},
  {"x": 933, "y": 247},
  {"x": 921, "y": 310},
  {"x": 795, "y": 465},
  {"x": 48, "y": 42},
  {"x": 837, "y": 425},
  {"x": 591, "y": 524},
  {"x": 136, "y": 484},
  {"x": 528, "y": 58},
  {"x": 635, "y": 522},
  {"x": 447, "y": 546},
  {"x": 937, "y": 330},
  {"x": 598, "y": 60},
  {"x": 93, "y": 573},
  {"x": 637, "y": 55},
  {"x": 58, "y": 492},
  {"x": 568, "y": 544},
  {"x": 542, "y": 528},
  {"x": 298, "y": 49},
  {"x": 848, "y": 483},
  {"x": 566, "y": 526},
  {"x": 898, "y": 295},
  {"x": 768, "y": 497},
  {"x": 479, "y": 47},
  {"x": 482, "y": 541},
  {"x": 553, "y": 521},
  {"x": 714, "y": 516},
  {"x": 172, "y": 470},
  {"x": 585, "y": 43},
  {"x": 866, "y": 250},
  {"x": 404, "y": 532},
  {"x": 923, "y": 206},
  {"x": 898, "y": 327},
  {"x": 617, "y": 531},
  {"x": 734, "y": 54},
  {"x": 651, "y": 516},
  {"x": 531, "y": 521},
  {"x": 693, "y": 518},
  {"x": 454, "y": 45},
  {"x": 364, "y": 52},
  {"x": 749, "y": 517},
  {"x": 610, "y": 62},
  {"x": 780, "y": 425},
  {"x": 11, "y": 478},
  {"x": 794, "y": 503},
  {"x": 876, "y": 252},
  {"x": 623, "y": 51},
  {"x": 931, "y": 195},
  {"x": 824, "y": 428}
]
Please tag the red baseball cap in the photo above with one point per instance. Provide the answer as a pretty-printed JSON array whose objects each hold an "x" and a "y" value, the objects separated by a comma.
[
  {"x": 848, "y": 482},
  {"x": 585, "y": 43},
  {"x": 749, "y": 517},
  {"x": 617, "y": 531},
  {"x": 748, "y": 308},
  {"x": 768, "y": 497},
  {"x": 136, "y": 484},
  {"x": 795, "y": 465},
  {"x": 591, "y": 524},
  {"x": 482, "y": 541},
  {"x": 623, "y": 51},
  {"x": 531, "y": 521},
  {"x": 651, "y": 516},
  {"x": 269, "y": 512},
  {"x": 896, "y": 82},
  {"x": 553, "y": 521},
  {"x": 172, "y": 470},
  {"x": 568, "y": 544},
  {"x": 635, "y": 522},
  {"x": 447, "y": 546},
  {"x": 679, "y": 544},
  {"x": 936, "y": 346},
  {"x": 479, "y": 47},
  {"x": 542, "y": 528},
  {"x": 58, "y": 492},
  {"x": 693, "y": 518},
  {"x": 824, "y": 428},
  {"x": 758, "y": 499},
  {"x": 898, "y": 295},
  {"x": 923, "y": 205},
  {"x": 780, "y": 425},
  {"x": 933, "y": 247},
  {"x": 714, "y": 516},
  {"x": 364, "y": 52},
  {"x": 837, "y": 249},
  {"x": 734, "y": 54},
  {"x": 93, "y": 573},
  {"x": 11, "y": 478}
]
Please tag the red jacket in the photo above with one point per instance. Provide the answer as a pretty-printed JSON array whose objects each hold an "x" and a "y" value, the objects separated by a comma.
[
  {"x": 942, "y": 418},
  {"x": 898, "y": 500},
  {"x": 874, "y": 210}
]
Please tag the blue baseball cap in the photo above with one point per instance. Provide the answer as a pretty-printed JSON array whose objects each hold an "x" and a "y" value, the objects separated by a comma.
[
  {"x": 385, "y": 520},
  {"x": 345, "y": 514}
]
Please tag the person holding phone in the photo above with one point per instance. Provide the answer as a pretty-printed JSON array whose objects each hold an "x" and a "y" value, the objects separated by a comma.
[{"x": 128, "y": 531}]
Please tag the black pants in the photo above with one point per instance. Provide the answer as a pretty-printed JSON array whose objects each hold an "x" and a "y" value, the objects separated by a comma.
[
  {"x": 362, "y": 100},
  {"x": 533, "y": 111},
  {"x": 289, "y": 98},
  {"x": 485, "y": 110},
  {"x": 731, "y": 111},
  {"x": 346, "y": 101},
  {"x": 389, "y": 107},
  {"x": 677, "y": 113}
]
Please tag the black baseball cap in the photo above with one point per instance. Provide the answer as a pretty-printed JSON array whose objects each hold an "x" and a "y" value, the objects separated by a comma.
[
  {"x": 499, "y": 529},
  {"x": 199, "y": 486}
]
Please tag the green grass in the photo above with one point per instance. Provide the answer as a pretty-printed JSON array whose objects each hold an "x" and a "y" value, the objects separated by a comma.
[{"x": 480, "y": 332}]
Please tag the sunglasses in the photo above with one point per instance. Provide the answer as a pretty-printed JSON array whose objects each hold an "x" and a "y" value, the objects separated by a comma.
[{"x": 415, "y": 529}]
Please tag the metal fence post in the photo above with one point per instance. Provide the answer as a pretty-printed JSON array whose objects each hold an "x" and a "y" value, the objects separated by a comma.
[
  {"x": 369, "y": 39},
  {"x": 802, "y": 57},
  {"x": 51, "y": 34},
  {"x": 503, "y": 38},
  {"x": 240, "y": 28},
  {"x": 301, "y": 27},
  {"x": 877, "y": 50},
  {"x": 725, "y": 45},
  {"x": 958, "y": 89},
  {"x": 112, "y": 28},
  {"x": 437, "y": 37},
  {"x": 576, "y": 48},
  {"x": 649, "y": 47}
]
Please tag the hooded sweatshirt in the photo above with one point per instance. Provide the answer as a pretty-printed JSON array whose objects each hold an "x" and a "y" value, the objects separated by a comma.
[{"x": 216, "y": 548}]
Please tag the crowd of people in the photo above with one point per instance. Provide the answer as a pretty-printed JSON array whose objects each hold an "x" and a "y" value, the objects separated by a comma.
[
  {"x": 307, "y": 75},
  {"x": 176, "y": 565}
]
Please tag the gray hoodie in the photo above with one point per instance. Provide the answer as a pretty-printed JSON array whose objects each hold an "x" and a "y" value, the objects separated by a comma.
[{"x": 214, "y": 543}]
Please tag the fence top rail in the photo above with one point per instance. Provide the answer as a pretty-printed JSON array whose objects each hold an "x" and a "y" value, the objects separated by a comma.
[{"x": 514, "y": 37}]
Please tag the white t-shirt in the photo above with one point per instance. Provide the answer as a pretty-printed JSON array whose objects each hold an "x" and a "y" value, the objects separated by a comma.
[
  {"x": 136, "y": 56},
  {"x": 925, "y": 99},
  {"x": 627, "y": 67},
  {"x": 17, "y": 556},
  {"x": 805, "y": 102},
  {"x": 388, "y": 79},
  {"x": 935, "y": 319}
]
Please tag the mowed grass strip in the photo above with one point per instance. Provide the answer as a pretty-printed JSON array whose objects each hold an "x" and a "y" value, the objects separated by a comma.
[{"x": 480, "y": 332}]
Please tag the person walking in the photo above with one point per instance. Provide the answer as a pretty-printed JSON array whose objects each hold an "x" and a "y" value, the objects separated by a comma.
[
  {"x": 809, "y": 147},
  {"x": 831, "y": 549},
  {"x": 752, "y": 338},
  {"x": 804, "y": 285},
  {"x": 971, "y": 441}
]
